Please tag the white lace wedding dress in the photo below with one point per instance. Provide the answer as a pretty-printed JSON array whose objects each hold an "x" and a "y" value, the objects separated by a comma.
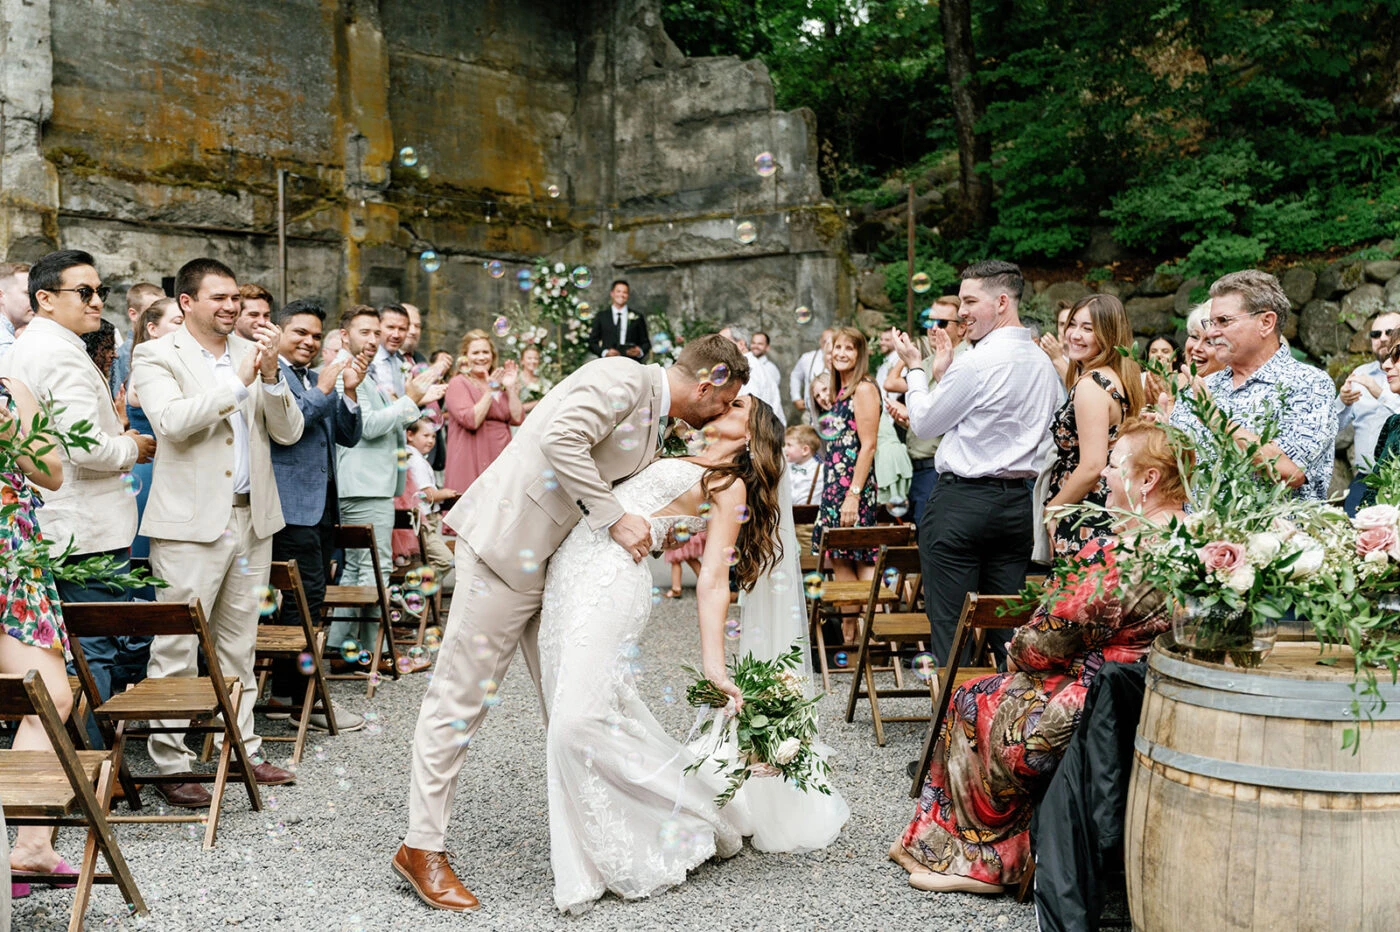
[{"x": 623, "y": 814}]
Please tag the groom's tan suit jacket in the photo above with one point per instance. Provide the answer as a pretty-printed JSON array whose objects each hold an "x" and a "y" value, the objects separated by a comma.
[{"x": 597, "y": 427}]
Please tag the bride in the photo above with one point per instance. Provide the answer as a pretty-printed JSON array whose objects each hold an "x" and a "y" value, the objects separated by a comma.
[{"x": 624, "y": 816}]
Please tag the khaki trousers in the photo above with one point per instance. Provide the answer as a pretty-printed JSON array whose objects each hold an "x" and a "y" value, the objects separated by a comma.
[
  {"x": 488, "y": 620},
  {"x": 227, "y": 576}
]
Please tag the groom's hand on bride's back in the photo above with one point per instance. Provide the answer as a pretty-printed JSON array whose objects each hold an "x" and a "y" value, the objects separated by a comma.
[{"x": 633, "y": 534}]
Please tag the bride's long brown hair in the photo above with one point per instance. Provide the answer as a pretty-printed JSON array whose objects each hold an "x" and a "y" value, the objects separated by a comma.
[{"x": 760, "y": 466}]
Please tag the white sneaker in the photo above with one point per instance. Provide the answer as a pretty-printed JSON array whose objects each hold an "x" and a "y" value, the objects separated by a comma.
[{"x": 345, "y": 720}]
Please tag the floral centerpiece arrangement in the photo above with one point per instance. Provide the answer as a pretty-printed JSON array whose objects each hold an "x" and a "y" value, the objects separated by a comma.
[{"x": 774, "y": 732}]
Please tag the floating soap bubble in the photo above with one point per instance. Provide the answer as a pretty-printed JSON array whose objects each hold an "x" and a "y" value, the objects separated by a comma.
[
  {"x": 719, "y": 374},
  {"x": 746, "y": 232},
  {"x": 731, "y": 556},
  {"x": 703, "y": 509},
  {"x": 921, "y": 283},
  {"x": 364, "y": 658},
  {"x": 408, "y": 156},
  {"x": 131, "y": 483},
  {"x": 924, "y": 666},
  {"x": 413, "y": 601},
  {"x": 731, "y": 629},
  {"x": 551, "y": 482},
  {"x": 669, "y": 834},
  {"x": 681, "y": 532},
  {"x": 350, "y": 650},
  {"x": 779, "y": 580},
  {"x": 891, "y": 577},
  {"x": 668, "y": 695},
  {"x": 803, "y": 314},
  {"x": 813, "y": 584},
  {"x": 584, "y": 311},
  {"x": 829, "y": 426},
  {"x": 501, "y": 326},
  {"x": 552, "y": 190},
  {"x": 617, "y": 398},
  {"x": 459, "y": 732},
  {"x": 430, "y": 260},
  {"x": 655, "y": 595},
  {"x": 741, "y": 513},
  {"x": 243, "y": 566},
  {"x": 432, "y": 638},
  {"x": 525, "y": 279},
  {"x": 267, "y": 601},
  {"x": 841, "y": 658},
  {"x": 528, "y": 563},
  {"x": 897, "y": 506},
  {"x": 401, "y": 457},
  {"x": 413, "y": 579},
  {"x": 423, "y": 170},
  {"x": 626, "y": 436},
  {"x": 765, "y": 164},
  {"x": 581, "y": 277},
  {"x": 495, "y": 269},
  {"x": 404, "y": 664},
  {"x": 306, "y": 663},
  {"x": 709, "y": 434}
]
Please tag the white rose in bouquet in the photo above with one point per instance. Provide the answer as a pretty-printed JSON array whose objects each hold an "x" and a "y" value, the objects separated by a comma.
[
  {"x": 558, "y": 266},
  {"x": 1377, "y": 516},
  {"x": 1308, "y": 563},
  {"x": 1262, "y": 548},
  {"x": 1241, "y": 579},
  {"x": 788, "y": 750}
]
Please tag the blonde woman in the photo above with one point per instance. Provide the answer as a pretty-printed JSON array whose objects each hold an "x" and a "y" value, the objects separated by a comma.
[{"x": 483, "y": 401}]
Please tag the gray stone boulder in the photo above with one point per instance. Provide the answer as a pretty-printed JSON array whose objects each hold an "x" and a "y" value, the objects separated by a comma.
[
  {"x": 1383, "y": 271},
  {"x": 1182, "y": 302},
  {"x": 1120, "y": 290},
  {"x": 1361, "y": 304},
  {"x": 1392, "y": 294},
  {"x": 1151, "y": 316},
  {"x": 1159, "y": 283},
  {"x": 1299, "y": 283},
  {"x": 1339, "y": 277},
  {"x": 1320, "y": 331},
  {"x": 1064, "y": 291},
  {"x": 871, "y": 292}
]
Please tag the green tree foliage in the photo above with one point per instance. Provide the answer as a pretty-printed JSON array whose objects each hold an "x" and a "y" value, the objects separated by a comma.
[{"x": 1214, "y": 130}]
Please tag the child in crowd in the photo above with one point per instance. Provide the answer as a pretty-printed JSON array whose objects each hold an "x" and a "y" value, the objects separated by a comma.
[
  {"x": 801, "y": 444},
  {"x": 422, "y": 435}
]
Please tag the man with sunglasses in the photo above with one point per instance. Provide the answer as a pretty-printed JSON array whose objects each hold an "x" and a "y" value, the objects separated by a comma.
[
  {"x": 1247, "y": 311},
  {"x": 95, "y": 507},
  {"x": 1365, "y": 402}
]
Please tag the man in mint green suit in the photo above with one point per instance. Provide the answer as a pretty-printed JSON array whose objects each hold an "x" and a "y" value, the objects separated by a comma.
[{"x": 368, "y": 475}]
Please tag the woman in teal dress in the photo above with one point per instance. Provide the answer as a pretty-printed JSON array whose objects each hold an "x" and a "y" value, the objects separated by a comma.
[{"x": 32, "y": 636}]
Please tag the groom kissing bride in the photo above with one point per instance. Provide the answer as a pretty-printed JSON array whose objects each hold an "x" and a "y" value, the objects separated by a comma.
[{"x": 552, "y": 539}]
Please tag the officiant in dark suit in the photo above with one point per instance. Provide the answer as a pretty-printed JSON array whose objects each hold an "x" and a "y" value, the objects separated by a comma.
[
  {"x": 305, "y": 474},
  {"x": 619, "y": 331}
]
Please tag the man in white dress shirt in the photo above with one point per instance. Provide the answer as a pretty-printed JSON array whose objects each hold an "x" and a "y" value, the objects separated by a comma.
[
  {"x": 758, "y": 349},
  {"x": 15, "y": 310},
  {"x": 1365, "y": 402},
  {"x": 761, "y": 384},
  {"x": 390, "y": 365},
  {"x": 808, "y": 366},
  {"x": 992, "y": 405}
]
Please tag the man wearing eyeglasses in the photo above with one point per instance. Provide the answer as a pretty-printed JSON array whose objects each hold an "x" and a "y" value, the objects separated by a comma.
[
  {"x": 95, "y": 507},
  {"x": 1365, "y": 402},
  {"x": 1248, "y": 309}
]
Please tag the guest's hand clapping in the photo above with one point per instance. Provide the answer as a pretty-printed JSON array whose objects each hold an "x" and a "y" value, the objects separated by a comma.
[
  {"x": 509, "y": 375},
  {"x": 269, "y": 335},
  {"x": 330, "y": 372},
  {"x": 942, "y": 353},
  {"x": 1051, "y": 344},
  {"x": 426, "y": 388},
  {"x": 907, "y": 349}
]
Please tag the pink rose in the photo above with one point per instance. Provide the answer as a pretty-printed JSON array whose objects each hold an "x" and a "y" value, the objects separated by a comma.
[
  {"x": 1221, "y": 555},
  {"x": 1377, "y": 516},
  {"x": 1378, "y": 540}
]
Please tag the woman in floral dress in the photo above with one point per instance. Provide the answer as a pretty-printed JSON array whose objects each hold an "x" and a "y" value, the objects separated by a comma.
[
  {"x": 31, "y": 620},
  {"x": 1005, "y": 733},
  {"x": 849, "y": 431}
]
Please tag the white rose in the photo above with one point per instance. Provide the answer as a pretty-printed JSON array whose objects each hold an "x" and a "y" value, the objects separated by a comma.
[
  {"x": 1379, "y": 557},
  {"x": 1261, "y": 548},
  {"x": 1377, "y": 516},
  {"x": 1309, "y": 562},
  {"x": 1284, "y": 528},
  {"x": 788, "y": 750},
  {"x": 558, "y": 266},
  {"x": 1241, "y": 579}
]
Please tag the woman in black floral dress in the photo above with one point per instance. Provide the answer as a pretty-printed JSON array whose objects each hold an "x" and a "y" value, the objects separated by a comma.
[
  {"x": 1105, "y": 388},
  {"x": 848, "y": 431}
]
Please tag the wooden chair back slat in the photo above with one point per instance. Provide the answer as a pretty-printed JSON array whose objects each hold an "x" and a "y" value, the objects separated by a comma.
[
  {"x": 355, "y": 537},
  {"x": 132, "y": 619},
  {"x": 805, "y": 514},
  {"x": 866, "y": 538}
]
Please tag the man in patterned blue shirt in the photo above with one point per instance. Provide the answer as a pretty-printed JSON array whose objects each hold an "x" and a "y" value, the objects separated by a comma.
[{"x": 1262, "y": 382}]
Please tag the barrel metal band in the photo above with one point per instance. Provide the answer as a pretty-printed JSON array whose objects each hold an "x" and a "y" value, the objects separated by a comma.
[
  {"x": 1318, "y": 710},
  {"x": 1316, "y": 781},
  {"x": 1253, "y": 684}
]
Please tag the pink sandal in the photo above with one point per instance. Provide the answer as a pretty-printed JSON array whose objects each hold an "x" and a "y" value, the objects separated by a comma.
[{"x": 20, "y": 889}]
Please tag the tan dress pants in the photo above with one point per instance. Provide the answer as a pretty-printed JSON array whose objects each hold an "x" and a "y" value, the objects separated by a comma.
[
  {"x": 227, "y": 576},
  {"x": 488, "y": 620}
]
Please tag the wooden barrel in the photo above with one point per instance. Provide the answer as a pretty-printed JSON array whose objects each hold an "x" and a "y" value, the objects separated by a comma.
[{"x": 1245, "y": 812}]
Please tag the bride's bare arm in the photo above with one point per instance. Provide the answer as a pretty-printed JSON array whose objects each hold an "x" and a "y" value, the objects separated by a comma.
[{"x": 712, "y": 588}]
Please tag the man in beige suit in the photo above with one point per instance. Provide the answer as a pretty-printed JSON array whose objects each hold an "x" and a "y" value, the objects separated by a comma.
[
  {"x": 601, "y": 425},
  {"x": 213, "y": 506}
]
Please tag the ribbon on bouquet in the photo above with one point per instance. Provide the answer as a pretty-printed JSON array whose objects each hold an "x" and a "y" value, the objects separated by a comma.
[{"x": 721, "y": 716}]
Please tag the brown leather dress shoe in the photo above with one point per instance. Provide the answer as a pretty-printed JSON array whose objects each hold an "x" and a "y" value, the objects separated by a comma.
[
  {"x": 185, "y": 795},
  {"x": 432, "y": 878},
  {"x": 271, "y": 775}
]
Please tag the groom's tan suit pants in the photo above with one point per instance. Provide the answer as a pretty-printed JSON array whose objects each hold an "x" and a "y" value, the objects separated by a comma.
[{"x": 488, "y": 620}]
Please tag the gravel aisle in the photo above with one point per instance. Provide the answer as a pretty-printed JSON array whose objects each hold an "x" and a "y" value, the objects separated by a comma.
[{"x": 318, "y": 857}]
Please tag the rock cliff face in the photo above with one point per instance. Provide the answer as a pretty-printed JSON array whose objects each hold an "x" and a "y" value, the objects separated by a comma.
[{"x": 151, "y": 131}]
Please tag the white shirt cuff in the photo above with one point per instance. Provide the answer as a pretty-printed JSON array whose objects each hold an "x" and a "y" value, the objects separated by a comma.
[{"x": 917, "y": 379}]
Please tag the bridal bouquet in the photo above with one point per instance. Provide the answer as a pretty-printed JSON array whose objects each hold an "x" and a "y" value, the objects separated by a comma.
[{"x": 775, "y": 730}]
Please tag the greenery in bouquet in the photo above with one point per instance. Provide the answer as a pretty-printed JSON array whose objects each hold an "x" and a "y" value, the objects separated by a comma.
[
  {"x": 775, "y": 729},
  {"x": 36, "y": 556}
]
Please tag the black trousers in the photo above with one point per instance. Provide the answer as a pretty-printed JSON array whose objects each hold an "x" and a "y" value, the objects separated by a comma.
[
  {"x": 310, "y": 546},
  {"x": 1081, "y": 817},
  {"x": 974, "y": 536}
]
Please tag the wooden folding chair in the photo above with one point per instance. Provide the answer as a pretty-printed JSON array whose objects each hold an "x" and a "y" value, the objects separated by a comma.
[
  {"x": 836, "y": 597},
  {"x": 803, "y": 517},
  {"x": 63, "y": 787},
  {"x": 279, "y": 641},
  {"x": 906, "y": 623},
  {"x": 403, "y": 577},
  {"x": 363, "y": 598},
  {"x": 203, "y": 700}
]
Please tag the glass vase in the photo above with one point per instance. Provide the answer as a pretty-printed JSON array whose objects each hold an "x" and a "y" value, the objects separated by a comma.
[{"x": 1219, "y": 634}]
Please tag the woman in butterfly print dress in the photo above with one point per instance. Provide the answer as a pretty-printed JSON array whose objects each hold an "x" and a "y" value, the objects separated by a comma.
[{"x": 1004, "y": 733}]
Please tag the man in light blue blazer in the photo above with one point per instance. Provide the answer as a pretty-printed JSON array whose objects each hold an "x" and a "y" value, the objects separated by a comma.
[
  {"x": 371, "y": 473},
  {"x": 306, "y": 476}
]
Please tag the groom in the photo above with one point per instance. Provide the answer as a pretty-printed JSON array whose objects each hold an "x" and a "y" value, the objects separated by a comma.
[{"x": 601, "y": 425}]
